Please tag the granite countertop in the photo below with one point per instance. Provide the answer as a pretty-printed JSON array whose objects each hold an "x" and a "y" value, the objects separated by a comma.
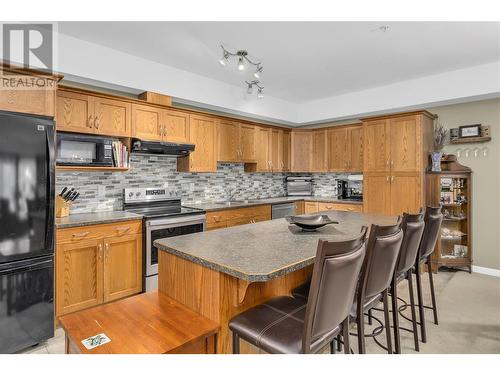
[
  {"x": 214, "y": 206},
  {"x": 81, "y": 220},
  {"x": 264, "y": 250}
]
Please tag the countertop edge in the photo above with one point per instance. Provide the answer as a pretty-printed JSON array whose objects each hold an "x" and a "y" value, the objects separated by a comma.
[
  {"x": 85, "y": 223},
  {"x": 233, "y": 272}
]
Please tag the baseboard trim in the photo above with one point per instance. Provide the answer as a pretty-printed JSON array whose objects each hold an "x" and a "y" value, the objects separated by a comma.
[{"x": 486, "y": 271}]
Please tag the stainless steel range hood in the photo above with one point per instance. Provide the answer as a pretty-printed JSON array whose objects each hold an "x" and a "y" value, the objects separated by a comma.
[{"x": 161, "y": 148}]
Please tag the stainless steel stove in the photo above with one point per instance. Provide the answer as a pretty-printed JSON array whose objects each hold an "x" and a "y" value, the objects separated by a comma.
[{"x": 163, "y": 216}]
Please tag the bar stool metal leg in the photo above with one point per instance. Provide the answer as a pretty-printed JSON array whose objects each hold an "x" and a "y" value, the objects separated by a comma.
[
  {"x": 370, "y": 317},
  {"x": 361, "y": 331},
  {"x": 433, "y": 295},
  {"x": 345, "y": 335},
  {"x": 236, "y": 343},
  {"x": 387, "y": 322},
  {"x": 421, "y": 310},
  {"x": 395, "y": 317},
  {"x": 413, "y": 312}
]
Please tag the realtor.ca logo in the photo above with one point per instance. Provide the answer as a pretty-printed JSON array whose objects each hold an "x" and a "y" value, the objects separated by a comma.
[
  {"x": 30, "y": 45},
  {"x": 26, "y": 46}
]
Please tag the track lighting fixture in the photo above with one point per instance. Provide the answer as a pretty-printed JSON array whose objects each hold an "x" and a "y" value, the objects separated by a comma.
[
  {"x": 260, "y": 89},
  {"x": 241, "y": 66}
]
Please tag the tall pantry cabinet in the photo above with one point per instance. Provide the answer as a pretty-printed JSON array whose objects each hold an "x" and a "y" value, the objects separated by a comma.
[{"x": 396, "y": 150}]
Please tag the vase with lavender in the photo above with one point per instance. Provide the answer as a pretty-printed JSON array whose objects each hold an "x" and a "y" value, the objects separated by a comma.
[{"x": 440, "y": 140}]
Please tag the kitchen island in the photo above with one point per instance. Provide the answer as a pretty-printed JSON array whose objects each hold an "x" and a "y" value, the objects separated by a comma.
[{"x": 224, "y": 272}]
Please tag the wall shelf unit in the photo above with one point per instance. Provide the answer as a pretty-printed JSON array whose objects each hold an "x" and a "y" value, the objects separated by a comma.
[
  {"x": 460, "y": 141},
  {"x": 452, "y": 189}
]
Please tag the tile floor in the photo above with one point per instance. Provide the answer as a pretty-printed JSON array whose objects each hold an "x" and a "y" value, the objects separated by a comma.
[{"x": 469, "y": 318}]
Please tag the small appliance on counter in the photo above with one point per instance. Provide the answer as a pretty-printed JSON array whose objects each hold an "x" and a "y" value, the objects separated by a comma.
[
  {"x": 298, "y": 185},
  {"x": 350, "y": 188},
  {"x": 64, "y": 200}
]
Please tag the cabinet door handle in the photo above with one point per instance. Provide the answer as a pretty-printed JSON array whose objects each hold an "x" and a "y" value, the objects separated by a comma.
[
  {"x": 107, "y": 249},
  {"x": 392, "y": 178},
  {"x": 387, "y": 178},
  {"x": 90, "y": 123},
  {"x": 392, "y": 163},
  {"x": 387, "y": 163},
  {"x": 96, "y": 123},
  {"x": 100, "y": 250},
  {"x": 81, "y": 234},
  {"x": 123, "y": 229}
]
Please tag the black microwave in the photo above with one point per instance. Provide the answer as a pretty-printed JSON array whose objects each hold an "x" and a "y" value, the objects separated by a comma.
[{"x": 84, "y": 150}]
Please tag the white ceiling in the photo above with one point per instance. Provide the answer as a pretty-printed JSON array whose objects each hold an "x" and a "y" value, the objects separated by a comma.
[{"x": 304, "y": 61}]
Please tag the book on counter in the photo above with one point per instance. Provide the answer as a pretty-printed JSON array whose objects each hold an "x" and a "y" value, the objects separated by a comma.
[{"x": 120, "y": 154}]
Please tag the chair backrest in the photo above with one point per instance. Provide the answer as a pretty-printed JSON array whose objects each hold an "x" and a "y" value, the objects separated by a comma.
[
  {"x": 333, "y": 284},
  {"x": 413, "y": 228},
  {"x": 381, "y": 255},
  {"x": 433, "y": 219}
]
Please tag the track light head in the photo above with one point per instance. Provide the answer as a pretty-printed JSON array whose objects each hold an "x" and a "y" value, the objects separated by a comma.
[
  {"x": 260, "y": 94},
  {"x": 241, "y": 64},
  {"x": 257, "y": 72}
]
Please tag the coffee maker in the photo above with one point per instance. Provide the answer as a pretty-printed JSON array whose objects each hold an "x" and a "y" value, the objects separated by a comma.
[
  {"x": 350, "y": 188},
  {"x": 342, "y": 188}
]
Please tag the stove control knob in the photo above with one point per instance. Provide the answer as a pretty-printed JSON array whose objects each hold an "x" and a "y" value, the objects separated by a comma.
[
  {"x": 138, "y": 193},
  {"x": 130, "y": 194}
]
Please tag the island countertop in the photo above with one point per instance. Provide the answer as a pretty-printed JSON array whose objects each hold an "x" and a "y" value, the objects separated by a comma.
[{"x": 265, "y": 250}]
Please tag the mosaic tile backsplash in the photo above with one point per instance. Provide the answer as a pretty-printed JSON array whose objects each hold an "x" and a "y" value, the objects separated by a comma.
[{"x": 102, "y": 191}]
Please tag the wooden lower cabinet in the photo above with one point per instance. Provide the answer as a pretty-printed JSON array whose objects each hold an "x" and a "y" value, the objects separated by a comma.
[
  {"x": 97, "y": 264},
  {"x": 238, "y": 216},
  {"x": 310, "y": 207},
  {"x": 79, "y": 272},
  {"x": 299, "y": 208},
  {"x": 122, "y": 266},
  {"x": 348, "y": 207}
]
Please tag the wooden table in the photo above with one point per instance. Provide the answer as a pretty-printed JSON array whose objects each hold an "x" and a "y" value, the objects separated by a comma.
[{"x": 149, "y": 323}]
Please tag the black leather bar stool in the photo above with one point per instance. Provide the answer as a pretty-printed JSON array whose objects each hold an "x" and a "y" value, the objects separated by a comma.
[
  {"x": 413, "y": 228},
  {"x": 295, "y": 325},
  {"x": 433, "y": 219},
  {"x": 376, "y": 275}
]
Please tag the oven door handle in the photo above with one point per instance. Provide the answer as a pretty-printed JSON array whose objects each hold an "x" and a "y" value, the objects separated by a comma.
[{"x": 175, "y": 222}]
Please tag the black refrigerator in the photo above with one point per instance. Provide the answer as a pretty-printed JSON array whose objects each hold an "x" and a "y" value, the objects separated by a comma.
[{"x": 27, "y": 172}]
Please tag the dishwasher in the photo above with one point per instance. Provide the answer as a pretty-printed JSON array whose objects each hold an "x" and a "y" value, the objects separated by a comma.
[{"x": 282, "y": 210}]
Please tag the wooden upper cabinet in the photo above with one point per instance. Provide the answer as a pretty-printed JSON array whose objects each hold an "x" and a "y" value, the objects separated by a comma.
[
  {"x": 405, "y": 144},
  {"x": 276, "y": 150},
  {"x": 75, "y": 112},
  {"x": 301, "y": 150},
  {"x": 146, "y": 122},
  {"x": 319, "y": 162},
  {"x": 248, "y": 139},
  {"x": 175, "y": 126},
  {"x": 203, "y": 134},
  {"x": 263, "y": 151},
  {"x": 122, "y": 266},
  {"x": 228, "y": 135},
  {"x": 356, "y": 150},
  {"x": 377, "y": 150},
  {"x": 112, "y": 117},
  {"x": 286, "y": 150},
  {"x": 41, "y": 101},
  {"x": 79, "y": 275},
  {"x": 337, "y": 150},
  {"x": 377, "y": 193}
]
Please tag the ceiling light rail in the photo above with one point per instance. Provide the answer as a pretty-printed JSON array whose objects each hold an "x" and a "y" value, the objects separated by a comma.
[{"x": 244, "y": 60}]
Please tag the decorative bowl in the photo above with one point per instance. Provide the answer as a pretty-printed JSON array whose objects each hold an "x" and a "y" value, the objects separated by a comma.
[{"x": 311, "y": 222}]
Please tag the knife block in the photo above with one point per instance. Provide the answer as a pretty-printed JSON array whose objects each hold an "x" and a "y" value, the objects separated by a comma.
[{"x": 62, "y": 207}]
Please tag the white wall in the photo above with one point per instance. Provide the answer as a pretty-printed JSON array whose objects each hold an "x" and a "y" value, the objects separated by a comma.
[
  {"x": 90, "y": 61},
  {"x": 485, "y": 176},
  {"x": 462, "y": 85}
]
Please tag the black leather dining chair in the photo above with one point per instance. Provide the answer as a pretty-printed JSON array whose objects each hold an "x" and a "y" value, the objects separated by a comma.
[
  {"x": 433, "y": 220},
  {"x": 296, "y": 325},
  {"x": 413, "y": 228}
]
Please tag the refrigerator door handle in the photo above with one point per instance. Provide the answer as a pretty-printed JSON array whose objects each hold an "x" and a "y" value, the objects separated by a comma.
[{"x": 49, "y": 240}]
